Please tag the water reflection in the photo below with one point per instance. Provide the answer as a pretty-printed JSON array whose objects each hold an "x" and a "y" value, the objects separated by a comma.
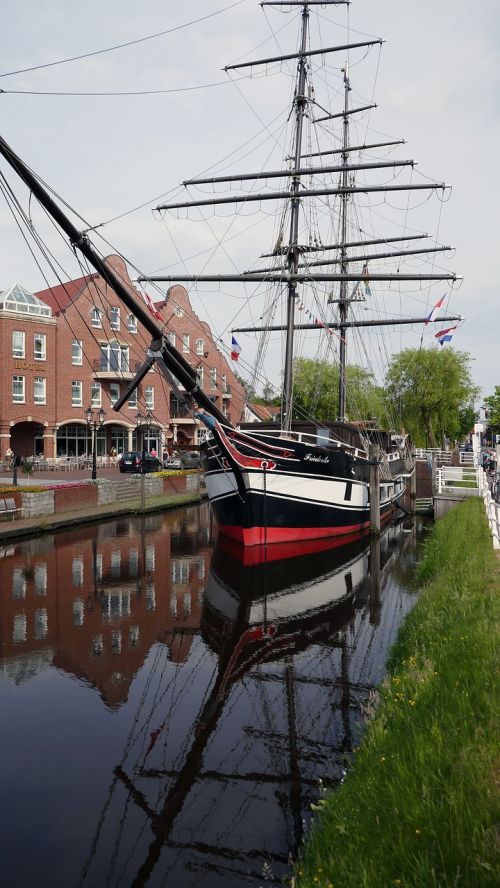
[{"x": 232, "y": 681}]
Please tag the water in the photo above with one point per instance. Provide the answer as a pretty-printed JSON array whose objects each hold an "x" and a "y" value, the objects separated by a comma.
[{"x": 169, "y": 713}]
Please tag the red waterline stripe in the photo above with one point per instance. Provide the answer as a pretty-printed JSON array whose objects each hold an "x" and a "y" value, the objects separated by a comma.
[{"x": 257, "y": 536}]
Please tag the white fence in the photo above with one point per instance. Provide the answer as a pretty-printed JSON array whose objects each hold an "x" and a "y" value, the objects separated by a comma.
[
  {"x": 444, "y": 457},
  {"x": 492, "y": 508},
  {"x": 458, "y": 480}
]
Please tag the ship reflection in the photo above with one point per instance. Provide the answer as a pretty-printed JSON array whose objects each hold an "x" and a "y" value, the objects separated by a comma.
[{"x": 267, "y": 622}]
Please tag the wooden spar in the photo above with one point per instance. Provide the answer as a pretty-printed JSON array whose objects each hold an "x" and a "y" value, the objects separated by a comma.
[
  {"x": 310, "y": 192},
  {"x": 303, "y": 54},
  {"x": 322, "y": 248},
  {"x": 334, "y": 325},
  {"x": 369, "y": 258},
  {"x": 305, "y": 171},
  {"x": 173, "y": 359},
  {"x": 296, "y": 278}
]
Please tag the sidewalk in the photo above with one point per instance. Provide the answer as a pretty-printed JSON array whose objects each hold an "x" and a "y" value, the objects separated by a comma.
[{"x": 22, "y": 527}]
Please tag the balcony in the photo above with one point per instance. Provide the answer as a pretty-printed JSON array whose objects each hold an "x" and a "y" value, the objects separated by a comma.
[{"x": 103, "y": 370}]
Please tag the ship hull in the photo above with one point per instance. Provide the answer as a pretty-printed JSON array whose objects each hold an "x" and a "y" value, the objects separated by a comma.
[{"x": 280, "y": 492}]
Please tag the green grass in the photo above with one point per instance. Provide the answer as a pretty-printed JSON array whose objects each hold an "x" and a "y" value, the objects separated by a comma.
[{"x": 419, "y": 805}]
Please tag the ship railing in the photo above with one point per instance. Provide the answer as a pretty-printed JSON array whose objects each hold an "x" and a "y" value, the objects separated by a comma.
[{"x": 307, "y": 438}]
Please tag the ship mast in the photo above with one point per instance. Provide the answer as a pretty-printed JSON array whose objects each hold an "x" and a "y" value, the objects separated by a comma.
[
  {"x": 343, "y": 301},
  {"x": 293, "y": 248}
]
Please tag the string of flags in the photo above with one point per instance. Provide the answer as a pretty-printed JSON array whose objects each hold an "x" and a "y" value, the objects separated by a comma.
[{"x": 235, "y": 349}]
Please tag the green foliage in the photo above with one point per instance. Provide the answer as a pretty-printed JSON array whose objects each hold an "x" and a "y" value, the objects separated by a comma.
[
  {"x": 492, "y": 403},
  {"x": 316, "y": 386},
  {"x": 419, "y": 806},
  {"x": 433, "y": 392}
]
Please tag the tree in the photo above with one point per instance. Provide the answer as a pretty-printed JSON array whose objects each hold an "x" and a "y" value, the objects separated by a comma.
[
  {"x": 316, "y": 386},
  {"x": 492, "y": 405},
  {"x": 431, "y": 388}
]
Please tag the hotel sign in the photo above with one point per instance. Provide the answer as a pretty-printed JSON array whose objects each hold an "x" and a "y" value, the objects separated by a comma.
[{"x": 29, "y": 365}]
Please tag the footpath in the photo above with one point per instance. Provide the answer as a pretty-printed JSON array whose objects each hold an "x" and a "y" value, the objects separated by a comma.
[{"x": 19, "y": 527}]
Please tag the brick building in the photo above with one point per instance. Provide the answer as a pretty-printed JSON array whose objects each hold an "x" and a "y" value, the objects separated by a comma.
[{"x": 75, "y": 345}]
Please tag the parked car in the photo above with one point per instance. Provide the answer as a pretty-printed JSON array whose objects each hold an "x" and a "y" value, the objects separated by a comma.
[
  {"x": 139, "y": 462},
  {"x": 172, "y": 462},
  {"x": 190, "y": 459}
]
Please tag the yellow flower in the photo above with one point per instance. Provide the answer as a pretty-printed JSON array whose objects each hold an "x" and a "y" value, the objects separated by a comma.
[
  {"x": 412, "y": 702},
  {"x": 417, "y": 832}
]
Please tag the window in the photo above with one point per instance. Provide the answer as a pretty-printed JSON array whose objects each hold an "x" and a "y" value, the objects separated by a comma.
[
  {"x": 40, "y": 390},
  {"x": 40, "y": 351},
  {"x": 171, "y": 339},
  {"x": 18, "y": 344},
  {"x": 96, "y": 394},
  {"x": 200, "y": 374},
  {"x": 200, "y": 347},
  {"x": 77, "y": 572},
  {"x": 77, "y": 352},
  {"x": 114, "y": 392},
  {"x": 114, "y": 318},
  {"x": 96, "y": 317},
  {"x": 179, "y": 312},
  {"x": 132, "y": 401},
  {"x": 132, "y": 324},
  {"x": 18, "y": 389},
  {"x": 224, "y": 383},
  {"x": 76, "y": 393},
  {"x": 114, "y": 356},
  {"x": 149, "y": 396},
  {"x": 185, "y": 342},
  {"x": 40, "y": 579},
  {"x": 41, "y": 623},
  {"x": 213, "y": 378}
]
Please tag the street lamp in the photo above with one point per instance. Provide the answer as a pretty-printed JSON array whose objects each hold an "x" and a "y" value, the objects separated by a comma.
[
  {"x": 143, "y": 423},
  {"x": 94, "y": 421}
]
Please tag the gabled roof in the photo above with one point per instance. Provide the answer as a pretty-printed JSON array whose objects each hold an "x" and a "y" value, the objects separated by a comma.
[
  {"x": 265, "y": 412},
  {"x": 59, "y": 297}
]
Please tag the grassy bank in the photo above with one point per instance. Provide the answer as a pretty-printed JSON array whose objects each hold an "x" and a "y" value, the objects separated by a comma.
[{"x": 418, "y": 807}]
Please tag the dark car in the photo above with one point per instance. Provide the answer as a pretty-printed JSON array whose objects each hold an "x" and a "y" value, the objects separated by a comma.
[
  {"x": 139, "y": 462},
  {"x": 190, "y": 459}
]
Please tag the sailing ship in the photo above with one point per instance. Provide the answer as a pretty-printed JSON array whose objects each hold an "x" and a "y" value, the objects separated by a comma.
[{"x": 296, "y": 480}]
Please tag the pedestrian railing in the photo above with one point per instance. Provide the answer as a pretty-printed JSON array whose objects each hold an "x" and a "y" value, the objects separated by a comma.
[
  {"x": 457, "y": 480},
  {"x": 492, "y": 508},
  {"x": 466, "y": 458},
  {"x": 442, "y": 457}
]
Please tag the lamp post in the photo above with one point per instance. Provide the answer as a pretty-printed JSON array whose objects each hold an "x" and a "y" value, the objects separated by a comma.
[
  {"x": 143, "y": 423},
  {"x": 95, "y": 420}
]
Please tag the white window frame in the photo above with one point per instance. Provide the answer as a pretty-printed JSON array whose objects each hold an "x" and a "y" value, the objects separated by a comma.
[
  {"x": 149, "y": 397},
  {"x": 19, "y": 351},
  {"x": 19, "y": 397},
  {"x": 114, "y": 392},
  {"x": 132, "y": 401},
  {"x": 201, "y": 376},
  {"x": 96, "y": 317},
  {"x": 77, "y": 352},
  {"x": 200, "y": 347},
  {"x": 115, "y": 357},
  {"x": 76, "y": 393},
  {"x": 185, "y": 342},
  {"x": 42, "y": 398},
  {"x": 171, "y": 339},
  {"x": 213, "y": 379},
  {"x": 42, "y": 354},
  {"x": 114, "y": 317},
  {"x": 132, "y": 323},
  {"x": 96, "y": 393}
]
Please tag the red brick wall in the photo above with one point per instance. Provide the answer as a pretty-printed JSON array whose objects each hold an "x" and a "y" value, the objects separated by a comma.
[{"x": 71, "y": 498}]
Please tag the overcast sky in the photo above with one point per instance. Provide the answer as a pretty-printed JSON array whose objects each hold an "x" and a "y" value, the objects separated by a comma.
[{"x": 436, "y": 86}]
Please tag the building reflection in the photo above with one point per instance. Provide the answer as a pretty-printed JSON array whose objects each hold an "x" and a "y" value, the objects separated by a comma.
[{"x": 92, "y": 601}]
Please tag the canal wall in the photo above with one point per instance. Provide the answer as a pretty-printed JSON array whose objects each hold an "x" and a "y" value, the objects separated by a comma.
[{"x": 78, "y": 502}]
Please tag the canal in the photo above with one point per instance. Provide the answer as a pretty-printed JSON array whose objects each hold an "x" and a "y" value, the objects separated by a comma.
[{"x": 170, "y": 708}]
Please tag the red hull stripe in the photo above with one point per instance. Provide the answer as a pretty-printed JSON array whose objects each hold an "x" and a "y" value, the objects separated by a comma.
[{"x": 258, "y": 536}]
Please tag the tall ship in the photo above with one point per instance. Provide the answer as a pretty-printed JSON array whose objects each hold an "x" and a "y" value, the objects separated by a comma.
[{"x": 299, "y": 477}]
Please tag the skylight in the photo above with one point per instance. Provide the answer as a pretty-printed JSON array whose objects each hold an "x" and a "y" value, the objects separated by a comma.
[{"x": 19, "y": 300}]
